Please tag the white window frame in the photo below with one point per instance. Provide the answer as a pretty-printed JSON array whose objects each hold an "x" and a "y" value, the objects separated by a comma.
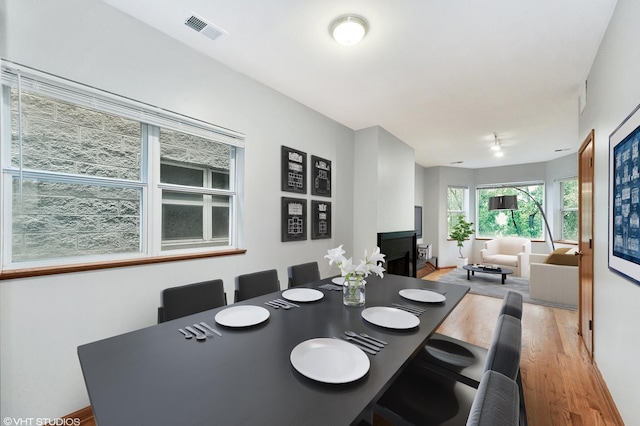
[
  {"x": 152, "y": 119},
  {"x": 206, "y": 204},
  {"x": 465, "y": 205}
]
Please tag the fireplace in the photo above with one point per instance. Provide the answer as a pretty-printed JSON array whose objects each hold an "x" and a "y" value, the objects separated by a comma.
[{"x": 399, "y": 249}]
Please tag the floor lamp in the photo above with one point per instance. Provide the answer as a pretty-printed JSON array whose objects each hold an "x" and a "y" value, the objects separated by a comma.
[{"x": 510, "y": 202}]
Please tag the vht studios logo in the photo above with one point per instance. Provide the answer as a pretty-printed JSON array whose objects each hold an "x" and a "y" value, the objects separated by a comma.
[{"x": 30, "y": 421}]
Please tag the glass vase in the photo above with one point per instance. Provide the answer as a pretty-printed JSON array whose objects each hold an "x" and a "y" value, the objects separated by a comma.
[{"x": 353, "y": 291}]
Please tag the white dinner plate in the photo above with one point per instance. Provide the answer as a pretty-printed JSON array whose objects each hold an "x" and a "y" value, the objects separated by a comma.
[
  {"x": 302, "y": 295},
  {"x": 338, "y": 280},
  {"x": 390, "y": 317},
  {"x": 329, "y": 360},
  {"x": 422, "y": 295},
  {"x": 242, "y": 316}
]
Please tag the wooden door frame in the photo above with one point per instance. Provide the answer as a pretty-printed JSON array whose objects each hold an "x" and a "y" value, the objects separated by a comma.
[{"x": 590, "y": 139}]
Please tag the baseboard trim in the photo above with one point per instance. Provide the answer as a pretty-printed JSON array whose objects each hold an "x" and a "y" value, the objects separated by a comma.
[{"x": 605, "y": 391}]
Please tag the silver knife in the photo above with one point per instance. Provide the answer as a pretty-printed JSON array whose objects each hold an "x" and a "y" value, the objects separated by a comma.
[
  {"x": 415, "y": 311},
  {"x": 364, "y": 339},
  {"x": 279, "y": 304},
  {"x": 362, "y": 346},
  {"x": 366, "y": 336},
  {"x": 362, "y": 343},
  {"x": 213, "y": 330},
  {"x": 286, "y": 302},
  {"x": 206, "y": 332}
]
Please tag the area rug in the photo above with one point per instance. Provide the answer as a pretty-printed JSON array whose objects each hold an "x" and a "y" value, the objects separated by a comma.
[{"x": 489, "y": 285}]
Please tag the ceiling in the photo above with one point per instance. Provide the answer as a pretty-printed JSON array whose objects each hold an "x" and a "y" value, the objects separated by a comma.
[{"x": 441, "y": 75}]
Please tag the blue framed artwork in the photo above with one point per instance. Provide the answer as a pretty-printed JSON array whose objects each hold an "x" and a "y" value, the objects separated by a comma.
[{"x": 624, "y": 198}]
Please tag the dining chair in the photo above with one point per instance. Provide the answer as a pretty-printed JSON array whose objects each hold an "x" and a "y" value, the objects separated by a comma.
[
  {"x": 512, "y": 304},
  {"x": 256, "y": 284},
  {"x": 467, "y": 363},
  {"x": 463, "y": 360},
  {"x": 190, "y": 299},
  {"x": 496, "y": 402},
  {"x": 303, "y": 273},
  {"x": 426, "y": 395},
  {"x": 444, "y": 401}
]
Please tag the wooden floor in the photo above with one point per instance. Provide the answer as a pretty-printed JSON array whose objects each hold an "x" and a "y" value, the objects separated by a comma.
[{"x": 561, "y": 385}]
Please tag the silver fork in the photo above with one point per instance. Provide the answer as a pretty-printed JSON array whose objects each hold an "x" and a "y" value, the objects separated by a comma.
[{"x": 410, "y": 309}]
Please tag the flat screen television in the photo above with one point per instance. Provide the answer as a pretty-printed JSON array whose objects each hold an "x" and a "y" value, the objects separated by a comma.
[{"x": 418, "y": 221}]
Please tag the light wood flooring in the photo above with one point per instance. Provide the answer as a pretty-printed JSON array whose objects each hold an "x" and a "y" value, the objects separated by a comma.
[{"x": 560, "y": 382}]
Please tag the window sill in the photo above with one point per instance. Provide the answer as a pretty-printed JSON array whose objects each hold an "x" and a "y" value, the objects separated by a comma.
[{"x": 82, "y": 267}]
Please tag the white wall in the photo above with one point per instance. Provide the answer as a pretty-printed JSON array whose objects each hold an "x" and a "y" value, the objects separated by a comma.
[
  {"x": 384, "y": 180},
  {"x": 613, "y": 93},
  {"x": 88, "y": 41},
  {"x": 396, "y": 182},
  {"x": 419, "y": 192}
]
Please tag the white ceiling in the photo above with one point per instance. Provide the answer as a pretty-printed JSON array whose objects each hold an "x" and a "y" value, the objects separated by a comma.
[{"x": 441, "y": 75}]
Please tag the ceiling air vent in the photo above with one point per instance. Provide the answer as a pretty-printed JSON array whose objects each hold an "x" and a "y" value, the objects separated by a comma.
[{"x": 205, "y": 28}]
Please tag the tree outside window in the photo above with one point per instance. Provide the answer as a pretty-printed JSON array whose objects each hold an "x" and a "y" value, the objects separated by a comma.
[
  {"x": 569, "y": 211},
  {"x": 525, "y": 222}
]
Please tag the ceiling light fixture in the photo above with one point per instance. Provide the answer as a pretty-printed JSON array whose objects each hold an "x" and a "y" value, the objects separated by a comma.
[
  {"x": 497, "y": 146},
  {"x": 348, "y": 30}
]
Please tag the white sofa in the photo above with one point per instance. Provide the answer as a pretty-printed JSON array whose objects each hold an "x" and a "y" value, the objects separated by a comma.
[
  {"x": 553, "y": 283},
  {"x": 508, "y": 252}
]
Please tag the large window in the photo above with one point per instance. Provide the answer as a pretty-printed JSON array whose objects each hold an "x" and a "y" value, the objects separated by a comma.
[
  {"x": 569, "y": 210},
  {"x": 524, "y": 222},
  {"x": 457, "y": 205},
  {"x": 90, "y": 176}
]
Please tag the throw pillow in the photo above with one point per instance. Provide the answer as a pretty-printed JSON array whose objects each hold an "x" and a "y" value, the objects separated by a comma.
[{"x": 561, "y": 256}]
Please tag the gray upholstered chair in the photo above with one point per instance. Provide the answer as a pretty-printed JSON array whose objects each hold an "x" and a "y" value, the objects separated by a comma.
[
  {"x": 190, "y": 299},
  {"x": 512, "y": 305},
  {"x": 256, "y": 284},
  {"x": 303, "y": 273},
  {"x": 496, "y": 402},
  {"x": 426, "y": 395},
  {"x": 462, "y": 360}
]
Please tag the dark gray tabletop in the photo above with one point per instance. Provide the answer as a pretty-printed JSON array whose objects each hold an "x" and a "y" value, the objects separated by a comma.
[{"x": 154, "y": 376}]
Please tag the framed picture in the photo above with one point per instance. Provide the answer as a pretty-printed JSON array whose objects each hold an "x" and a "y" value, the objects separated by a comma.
[
  {"x": 320, "y": 219},
  {"x": 624, "y": 198},
  {"x": 294, "y": 219},
  {"x": 321, "y": 176},
  {"x": 294, "y": 170}
]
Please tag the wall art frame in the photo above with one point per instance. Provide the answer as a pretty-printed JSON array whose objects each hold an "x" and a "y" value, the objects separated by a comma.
[
  {"x": 294, "y": 219},
  {"x": 320, "y": 219},
  {"x": 624, "y": 198},
  {"x": 293, "y": 170},
  {"x": 320, "y": 176}
]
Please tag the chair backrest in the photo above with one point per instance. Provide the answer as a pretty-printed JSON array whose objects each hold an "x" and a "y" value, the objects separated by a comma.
[
  {"x": 303, "y": 273},
  {"x": 256, "y": 284},
  {"x": 504, "y": 352},
  {"x": 497, "y": 402},
  {"x": 512, "y": 305},
  {"x": 190, "y": 299},
  {"x": 509, "y": 245}
]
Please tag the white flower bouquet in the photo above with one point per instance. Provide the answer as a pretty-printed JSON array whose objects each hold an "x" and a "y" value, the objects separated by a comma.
[{"x": 356, "y": 272}]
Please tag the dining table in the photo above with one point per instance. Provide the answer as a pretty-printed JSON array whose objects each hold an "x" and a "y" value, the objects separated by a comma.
[{"x": 275, "y": 366}]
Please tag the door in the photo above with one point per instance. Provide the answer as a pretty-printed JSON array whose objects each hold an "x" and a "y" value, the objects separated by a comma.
[{"x": 585, "y": 241}]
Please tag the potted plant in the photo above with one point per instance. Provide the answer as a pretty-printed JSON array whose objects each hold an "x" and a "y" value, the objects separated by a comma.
[{"x": 460, "y": 232}]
